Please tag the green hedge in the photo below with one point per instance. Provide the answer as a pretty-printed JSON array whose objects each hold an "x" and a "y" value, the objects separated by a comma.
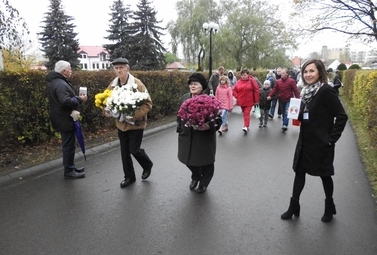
[
  {"x": 24, "y": 113},
  {"x": 23, "y": 102},
  {"x": 360, "y": 89}
]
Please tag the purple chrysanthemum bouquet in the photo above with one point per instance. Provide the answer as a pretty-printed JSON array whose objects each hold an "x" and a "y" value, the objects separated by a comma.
[{"x": 196, "y": 111}]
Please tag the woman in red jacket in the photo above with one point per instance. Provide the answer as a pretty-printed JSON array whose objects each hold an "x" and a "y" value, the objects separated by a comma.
[{"x": 246, "y": 91}]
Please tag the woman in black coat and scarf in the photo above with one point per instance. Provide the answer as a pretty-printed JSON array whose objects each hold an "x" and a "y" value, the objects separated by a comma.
[
  {"x": 197, "y": 147},
  {"x": 323, "y": 120}
]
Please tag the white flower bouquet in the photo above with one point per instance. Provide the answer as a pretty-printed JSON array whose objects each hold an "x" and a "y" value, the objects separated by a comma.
[{"x": 124, "y": 101}]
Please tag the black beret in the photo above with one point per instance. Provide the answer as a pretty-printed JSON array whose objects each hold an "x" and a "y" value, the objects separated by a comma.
[
  {"x": 120, "y": 61},
  {"x": 200, "y": 78}
]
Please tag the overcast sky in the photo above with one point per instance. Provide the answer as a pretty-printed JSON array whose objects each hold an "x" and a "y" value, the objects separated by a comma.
[{"x": 91, "y": 20}]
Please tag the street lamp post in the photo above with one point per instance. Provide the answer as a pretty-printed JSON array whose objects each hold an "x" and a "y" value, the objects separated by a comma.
[{"x": 212, "y": 29}]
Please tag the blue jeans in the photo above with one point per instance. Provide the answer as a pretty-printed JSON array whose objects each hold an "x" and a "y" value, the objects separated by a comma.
[
  {"x": 273, "y": 106},
  {"x": 284, "y": 111},
  {"x": 224, "y": 117}
]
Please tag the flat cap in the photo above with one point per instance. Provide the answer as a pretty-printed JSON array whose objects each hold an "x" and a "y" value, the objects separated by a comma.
[{"x": 120, "y": 61}]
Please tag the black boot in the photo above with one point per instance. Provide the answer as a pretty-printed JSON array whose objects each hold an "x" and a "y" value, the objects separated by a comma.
[
  {"x": 294, "y": 208},
  {"x": 329, "y": 210}
]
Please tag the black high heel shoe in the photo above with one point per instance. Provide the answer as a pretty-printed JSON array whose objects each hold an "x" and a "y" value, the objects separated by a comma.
[
  {"x": 293, "y": 209},
  {"x": 329, "y": 210}
]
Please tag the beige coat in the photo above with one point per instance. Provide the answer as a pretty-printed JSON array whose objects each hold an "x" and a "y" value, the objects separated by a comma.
[{"x": 141, "y": 113}]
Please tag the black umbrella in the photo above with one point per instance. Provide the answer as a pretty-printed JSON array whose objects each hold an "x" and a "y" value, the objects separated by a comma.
[{"x": 80, "y": 136}]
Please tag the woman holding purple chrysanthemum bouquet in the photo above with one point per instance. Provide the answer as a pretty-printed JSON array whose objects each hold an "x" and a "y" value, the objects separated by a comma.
[{"x": 198, "y": 120}]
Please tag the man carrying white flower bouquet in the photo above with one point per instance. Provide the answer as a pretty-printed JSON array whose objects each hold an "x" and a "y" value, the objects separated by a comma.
[{"x": 129, "y": 105}]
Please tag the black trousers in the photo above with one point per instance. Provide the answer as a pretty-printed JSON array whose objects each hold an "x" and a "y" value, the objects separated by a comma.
[
  {"x": 203, "y": 174},
  {"x": 130, "y": 142},
  {"x": 68, "y": 149}
]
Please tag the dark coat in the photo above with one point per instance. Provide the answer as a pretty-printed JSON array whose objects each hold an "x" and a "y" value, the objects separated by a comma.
[
  {"x": 317, "y": 138},
  {"x": 264, "y": 104},
  {"x": 62, "y": 101},
  {"x": 196, "y": 148},
  {"x": 337, "y": 82},
  {"x": 213, "y": 82}
]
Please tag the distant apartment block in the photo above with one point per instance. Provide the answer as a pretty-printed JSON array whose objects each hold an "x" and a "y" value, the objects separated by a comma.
[
  {"x": 358, "y": 56},
  {"x": 94, "y": 58}
]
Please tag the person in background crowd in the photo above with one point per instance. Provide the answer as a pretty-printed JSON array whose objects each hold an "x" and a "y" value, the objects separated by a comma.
[
  {"x": 285, "y": 88},
  {"x": 271, "y": 77},
  {"x": 323, "y": 120},
  {"x": 277, "y": 73},
  {"x": 131, "y": 134},
  {"x": 63, "y": 103},
  {"x": 232, "y": 78},
  {"x": 337, "y": 82},
  {"x": 197, "y": 147},
  {"x": 214, "y": 80},
  {"x": 246, "y": 92},
  {"x": 300, "y": 82},
  {"x": 264, "y": 103},
  {"x": 225, "y": 96}
]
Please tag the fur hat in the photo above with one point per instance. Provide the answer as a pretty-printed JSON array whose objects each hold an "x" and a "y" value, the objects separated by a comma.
[
  {"x": 120, "y": 61},
  {"x": 200, "y": 78}
]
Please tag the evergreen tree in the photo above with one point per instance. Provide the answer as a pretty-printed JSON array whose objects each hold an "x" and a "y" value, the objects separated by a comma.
[
  {"x": 58, "y": 38},
  {"x": 147, "y": 49},
  {"x": 120, "y": 31}
]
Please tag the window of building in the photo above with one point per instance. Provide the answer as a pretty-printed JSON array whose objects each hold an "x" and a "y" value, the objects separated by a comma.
[
  {"x": 83, "y": 56},
  {"x": 102, "y": 57}
]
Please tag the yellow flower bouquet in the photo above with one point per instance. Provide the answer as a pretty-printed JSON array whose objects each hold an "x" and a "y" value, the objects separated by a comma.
[{"x": 100, "y": 99}]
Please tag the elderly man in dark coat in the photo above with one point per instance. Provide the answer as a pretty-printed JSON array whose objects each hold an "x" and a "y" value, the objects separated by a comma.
[
  {"x": 62, "y": 105},
  {"x": 197, "y": 147}
]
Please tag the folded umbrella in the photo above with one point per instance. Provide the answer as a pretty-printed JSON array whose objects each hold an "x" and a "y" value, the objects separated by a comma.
[
  {"x": 78, "y": 131},
  {"x": 80, "y": 137}
]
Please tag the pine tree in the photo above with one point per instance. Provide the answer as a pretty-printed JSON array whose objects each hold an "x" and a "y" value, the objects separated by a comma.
[
  {"x": 58, "y": 38},
  {"x": 120, "y": 31},
  {"x": 147, "y": 49}
]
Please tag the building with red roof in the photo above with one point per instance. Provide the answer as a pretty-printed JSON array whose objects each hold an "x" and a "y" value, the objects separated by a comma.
[{"x": 94, "y": 58}]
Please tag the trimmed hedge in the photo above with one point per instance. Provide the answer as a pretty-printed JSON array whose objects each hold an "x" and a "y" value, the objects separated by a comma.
[
  {"x": 24, "y": 114},
  {"x": 24, "y": 104},
  {"x": 360, "y": 88}
]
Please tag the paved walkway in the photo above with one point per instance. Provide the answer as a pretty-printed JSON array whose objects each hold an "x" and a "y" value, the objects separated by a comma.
[{"x": 42, "y": 213}]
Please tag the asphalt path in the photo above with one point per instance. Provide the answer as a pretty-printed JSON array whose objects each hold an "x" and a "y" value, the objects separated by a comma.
[{"x": 43, "y": 213}]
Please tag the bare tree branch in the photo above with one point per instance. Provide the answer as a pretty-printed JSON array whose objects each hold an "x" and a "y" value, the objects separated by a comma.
[{"x": 356, "y": 18}]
